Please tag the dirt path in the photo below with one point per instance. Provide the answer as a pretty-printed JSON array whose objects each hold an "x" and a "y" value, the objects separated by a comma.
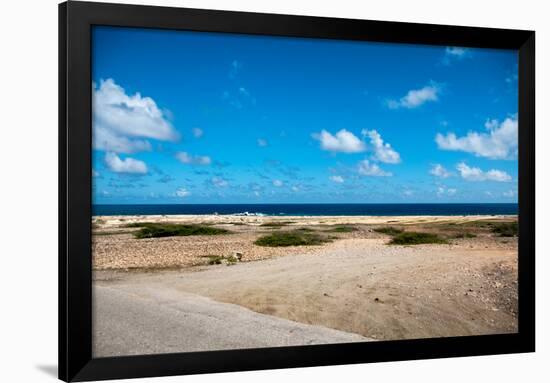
[
  {"x": 363, "y": 286},
  {"x": 138, "y": 320}
]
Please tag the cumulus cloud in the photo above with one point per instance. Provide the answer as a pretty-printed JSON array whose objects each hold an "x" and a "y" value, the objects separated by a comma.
[
  {"x": 277, "y": 183},
  {"x": 262, "y": 142},
  {"x": 476, "y": 174},
  {"x": 182, "y": 193},
  {"x": 186, "y": 158},
  {"x": 219, "y": 182},
  {"x": 337, "y": 179},
  {"x": 197, "y": 132},
  {"x": 122, "y": 123},
  {"x": 439, "y": 170},
  {"x": 383, "y": 151},
  {"x": 343, "y": 141},
  {"x": 367, "y": 168},
  {"x": 127, "y": 165},
  {"x": 509, "y": 193},
  {"x": 499, "y": 142},
  {"x": 416, "y": 97}
]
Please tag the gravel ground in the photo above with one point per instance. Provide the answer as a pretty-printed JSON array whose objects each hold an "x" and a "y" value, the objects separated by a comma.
[{"x": 115, "y": 248}]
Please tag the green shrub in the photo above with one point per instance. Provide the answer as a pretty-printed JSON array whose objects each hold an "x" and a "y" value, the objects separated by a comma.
[
  {"x": 220, "y": 259},
  {"x": 415, "y": 238},
  {"x": 295, "y": 238},
  {"x": 155, "y": 230},
  {"x": 506, "y": 229},
  {"x": 215, "y": 259},
  {"x": 276, "y": 223},
  {"x": 342, "y": 229},
  {"x": 464, "y": 235},
  {"x": 390, "y": 230}
]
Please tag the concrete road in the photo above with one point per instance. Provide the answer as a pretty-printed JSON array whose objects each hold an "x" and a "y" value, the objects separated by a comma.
[{"x": 131, "y": 320}]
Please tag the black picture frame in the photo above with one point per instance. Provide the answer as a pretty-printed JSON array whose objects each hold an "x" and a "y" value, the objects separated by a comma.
[{"x": 75, "y": 263}]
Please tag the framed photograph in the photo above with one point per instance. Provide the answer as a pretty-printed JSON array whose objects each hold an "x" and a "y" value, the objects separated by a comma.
[{"x": 243, "y": 191}]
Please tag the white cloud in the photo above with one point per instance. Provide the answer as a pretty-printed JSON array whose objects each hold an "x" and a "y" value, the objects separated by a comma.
[
  {"x": 476, "y": 174},
  {"x": 239, "y": 98},
  {"x": 337, "y": 179},
  {"x": 444, "y": 191},
  {"x": 509, "y": 194},
  {"x": 439, "y": 170},
  {"x": 261, "y": 142},
  {"x": 95, "y": 173},
  {"x": 501, "y": 141},
  {"x": 105, "y": 139},
  {"x": 512, "y": 78},
  {"x": 366, "y": 168},
  {"x": 127, "y": 165},
  {"x": 382, "y": 150},
  {"x": 416, "y": 97},
  {"x": 277, "y": 183},
  {"x": 197, "y": 132},
  {"x": 219, "y": 182},
  {"x": 343, "y": 141},
  {"x": 408, "y": 193},
  {"x": 236, "y": 66},
  {"x": 122, "y": 123},
  {"x": 186, "y": 158},
  {"x": 295, "y": 188},
  {"x": 182, "y": 192},
  {"x": 456, "y": 52}
]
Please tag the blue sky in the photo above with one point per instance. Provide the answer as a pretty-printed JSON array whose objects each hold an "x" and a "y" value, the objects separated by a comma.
[{"x": 193, "y": 117}]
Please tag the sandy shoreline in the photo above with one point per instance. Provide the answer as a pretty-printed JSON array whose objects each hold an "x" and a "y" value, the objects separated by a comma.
[{"x": 113, "y": 220}]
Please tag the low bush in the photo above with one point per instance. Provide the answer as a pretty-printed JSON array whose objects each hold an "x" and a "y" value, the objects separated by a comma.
[
  {"x": 464, "y": 235},
  {"x": 415, "y": 238},
  {"x": 155, "y": 230},
  {"x": 506, "y": 229},
  {"x": 342, "y": 229},
  {"x": 276, "y": 223},
  {"x": 295, "y": 238},
  {"x": 390, "y": 230}
]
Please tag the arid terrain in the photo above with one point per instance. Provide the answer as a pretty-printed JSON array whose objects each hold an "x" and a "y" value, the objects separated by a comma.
[{"x": 377, "y": 278}]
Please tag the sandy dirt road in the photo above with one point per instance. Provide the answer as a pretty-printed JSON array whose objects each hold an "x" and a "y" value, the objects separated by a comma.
[
  {"x": 360, "y": 286},
  {"x": 134, "y": 320}
]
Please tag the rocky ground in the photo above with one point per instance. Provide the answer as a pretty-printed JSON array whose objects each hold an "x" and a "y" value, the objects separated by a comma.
[{"x": 114, "y": 246}]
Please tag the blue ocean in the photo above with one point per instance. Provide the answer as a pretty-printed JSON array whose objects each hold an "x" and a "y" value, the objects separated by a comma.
[{"x": 352, "y": 209}]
